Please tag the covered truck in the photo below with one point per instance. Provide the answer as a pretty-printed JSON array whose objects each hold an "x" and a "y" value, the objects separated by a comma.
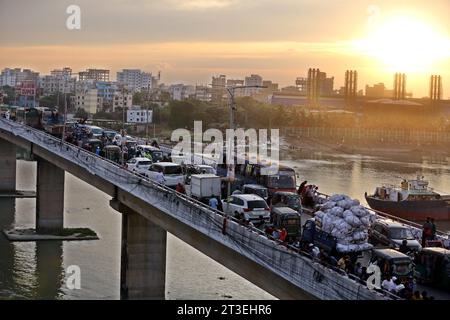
[
  {"x": 204, "y": 186},
  {"x": 344, "y": 220}
]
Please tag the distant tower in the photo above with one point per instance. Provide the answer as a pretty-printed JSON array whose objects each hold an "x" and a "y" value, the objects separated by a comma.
[
  {"x": 435, "y": 88},
  {"x": 351, "y": 86},
  {"x": 313, "y": 86},
  {"x": 399, "y": 86}
]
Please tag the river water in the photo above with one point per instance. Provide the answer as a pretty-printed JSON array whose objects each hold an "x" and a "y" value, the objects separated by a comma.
[{"x": 37, "y": 270}]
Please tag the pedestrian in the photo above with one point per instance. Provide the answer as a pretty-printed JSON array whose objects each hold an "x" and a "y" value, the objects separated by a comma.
[
  {"x": 364, "y": 275},
  {"x": 433, "y": 229},
  {"x": 301, "y": 187},
  {"x": 283, "y": 234},
  {"x": 427, "y": 231},
  {"x": 180, "y": 188},
  {"x": 417, "y": 295},
  {"x": 213, "y": 203},
  {"x": 341, "y": 263},
  {"x": 159, "y": 178},
  {"x": 275, "y": 234},
  {"x": 97, "y": 150},
  {"x": 404, "y": 247},
  {"x": 357, "y": 270}
]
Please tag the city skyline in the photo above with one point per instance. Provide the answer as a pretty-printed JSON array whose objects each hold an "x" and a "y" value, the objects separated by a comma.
[{"x": 170, "y": 35}]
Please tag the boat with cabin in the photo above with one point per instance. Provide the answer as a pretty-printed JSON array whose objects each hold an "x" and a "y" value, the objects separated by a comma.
[{"x": 413, "y": 200}]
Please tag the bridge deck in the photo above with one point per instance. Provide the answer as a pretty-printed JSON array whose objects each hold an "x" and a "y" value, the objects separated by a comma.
[{"x": 270, "y": 265}]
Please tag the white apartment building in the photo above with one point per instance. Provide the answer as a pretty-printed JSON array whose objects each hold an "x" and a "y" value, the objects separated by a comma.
[
  {"x": 138, "y": 115},
  {"x": 136, "y": 80},
  {"x": 122, "y": 100},
  {"x": 203, "y": 93},
  {"x": 181, "y": 92},
  {"x": 253, "y": 80},
  {"x": 88, "y": 100},
  {"x": 59, "y": 80},
  {"x": 14, "y": 77}
]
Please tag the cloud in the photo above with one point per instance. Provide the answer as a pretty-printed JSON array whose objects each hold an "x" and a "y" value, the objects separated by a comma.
[{"x": 201, "y": 4}]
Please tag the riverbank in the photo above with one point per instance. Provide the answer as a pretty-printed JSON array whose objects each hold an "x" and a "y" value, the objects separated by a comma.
[{"x": 293, "y": 144}]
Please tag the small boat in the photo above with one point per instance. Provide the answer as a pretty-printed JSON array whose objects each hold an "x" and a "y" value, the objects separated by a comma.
[{"x": 413, "y": 200}]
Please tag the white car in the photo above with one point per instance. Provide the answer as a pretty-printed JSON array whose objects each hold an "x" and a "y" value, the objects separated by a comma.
[
  {"x": 139, "y": 165},
  {"x": 167, "y": 173},
  {"x": 249, "y": 207},
  {"x": 205, "y": 169}
]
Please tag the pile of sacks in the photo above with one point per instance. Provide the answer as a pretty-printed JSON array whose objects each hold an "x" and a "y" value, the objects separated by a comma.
[{"x": 346, "y": 220}]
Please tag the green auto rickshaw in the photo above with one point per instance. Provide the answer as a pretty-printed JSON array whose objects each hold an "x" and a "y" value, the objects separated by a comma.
[
  {"x": 433, "y": 267},
  {"x": 289, "y": 219},
  {"x": 112, "y": 153},
  {"x": 393, "y": 263}
]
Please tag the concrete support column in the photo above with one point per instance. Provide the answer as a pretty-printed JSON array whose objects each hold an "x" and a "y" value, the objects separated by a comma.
[
  {"x": 143, "y": 257},
  {"x": 7, "y": 166},
  {"x": 50, "y": 196}
]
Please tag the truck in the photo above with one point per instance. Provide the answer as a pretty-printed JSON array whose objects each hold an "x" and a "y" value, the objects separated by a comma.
[{"x": 204, "y": 186}]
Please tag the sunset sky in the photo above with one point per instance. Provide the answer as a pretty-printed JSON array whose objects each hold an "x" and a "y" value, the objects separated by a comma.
[{"x": 191, "y": 40}]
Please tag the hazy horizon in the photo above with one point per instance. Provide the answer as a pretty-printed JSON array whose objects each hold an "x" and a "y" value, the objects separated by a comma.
[{"x": 191, "y": 40}]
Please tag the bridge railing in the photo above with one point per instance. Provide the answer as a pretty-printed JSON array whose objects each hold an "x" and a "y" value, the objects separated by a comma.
[{"x": 252, "y": 242}]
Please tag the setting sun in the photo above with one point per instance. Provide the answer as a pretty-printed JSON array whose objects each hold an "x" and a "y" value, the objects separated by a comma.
[{"x": 405, "y": 44}]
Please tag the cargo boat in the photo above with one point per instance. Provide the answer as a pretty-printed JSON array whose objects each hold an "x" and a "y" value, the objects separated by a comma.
[{"x": 413, "y": 200}]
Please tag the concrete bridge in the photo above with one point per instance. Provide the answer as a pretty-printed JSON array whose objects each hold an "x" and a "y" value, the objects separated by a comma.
[{"x": 150, "y": 210}]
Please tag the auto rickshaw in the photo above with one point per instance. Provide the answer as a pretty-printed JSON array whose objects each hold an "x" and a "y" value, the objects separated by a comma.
[
  {"x": 432, "y": 266},
  {"x": 285, "y": 217},
  {"x": 287, "y": 199},
  {"x": 92, "y": 144},
  {"x": 112, "y": 153},
  {"x": 393, "y": 263}
]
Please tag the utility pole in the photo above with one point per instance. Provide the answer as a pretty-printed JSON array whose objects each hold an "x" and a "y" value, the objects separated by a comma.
[{"x": 230, "y": 144}]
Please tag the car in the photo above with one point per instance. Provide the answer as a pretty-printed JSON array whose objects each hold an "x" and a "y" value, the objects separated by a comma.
[
  {"x": 110, "y": 134},
  {"x": 248, "y": 207},
  {"x": 391, "y": 234},
  {"x": 171, "y": 172},
  {"x": 118, "y": 139},
  {"x": 205, "y": 169},
  {"x": 139, "y": 165},
  {"x": 155, "y": 153},
  {"x": 257, "y": 189},
  {"x": 97, "y": 132}
]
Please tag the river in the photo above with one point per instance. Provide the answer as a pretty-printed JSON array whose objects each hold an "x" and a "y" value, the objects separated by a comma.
[{"x": 37, "y": 270}]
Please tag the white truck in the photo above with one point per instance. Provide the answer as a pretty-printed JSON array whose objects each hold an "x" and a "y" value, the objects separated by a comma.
[{"x": 204, "y": 186}]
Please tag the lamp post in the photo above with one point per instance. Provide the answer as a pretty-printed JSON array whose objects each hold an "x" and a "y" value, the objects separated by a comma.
[{"x": 233, "y": 108}]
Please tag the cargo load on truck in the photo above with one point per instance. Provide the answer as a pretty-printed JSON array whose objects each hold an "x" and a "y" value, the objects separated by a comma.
[
  {"x": 347, "y": 221},
  {"x": 205, "y": 186}
]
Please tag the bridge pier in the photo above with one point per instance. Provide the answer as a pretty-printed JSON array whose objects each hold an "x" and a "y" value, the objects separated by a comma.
[
  {"x": 50, "y": 197},
  {"x": 7, "y": 166},
  {"x": 143, "y": 256}
]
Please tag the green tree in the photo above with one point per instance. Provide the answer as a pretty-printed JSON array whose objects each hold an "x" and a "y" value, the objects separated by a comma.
[
  {"x": 9, "y": 95},
  {"x": 81, "y": 113}
]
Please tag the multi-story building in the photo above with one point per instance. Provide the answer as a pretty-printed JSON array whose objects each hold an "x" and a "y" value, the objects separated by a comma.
[
  {"x": 203, "y": 93},
  {"x": 14, "y": 77},
  {"x": 88, "y": 100},
  {"x": 218, "y": 89},
  {"x": 27, "y": 94},
  {"x": 106, "y": 90},
  {"x": 235, "y": 83},
  {"x": 135, "y": 80},
  {"x": 138, "y": 115},
  {"x": 253, "y": 81},
  {"x": 94, "y": 74},
  {"x": 59, "y": 80},
  {"x": 122, "y": 99},
  {"x": 182, "y": 92}
]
